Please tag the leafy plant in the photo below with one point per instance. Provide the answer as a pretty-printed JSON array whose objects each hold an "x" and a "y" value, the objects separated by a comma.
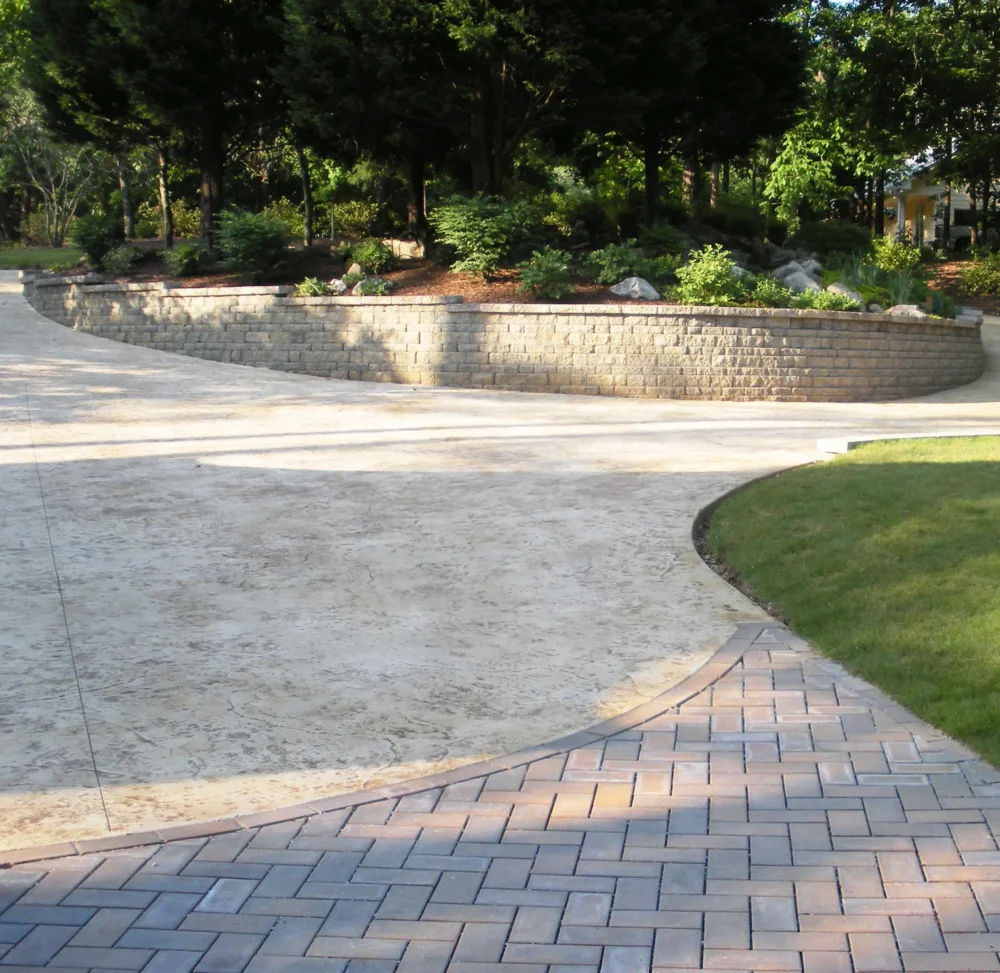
[
  {"x": 312, "y": 287},
  {"x": 252, "y": 242},
  {"x": 825, "y": 301},
  {"x": 617, "y": 261},
  {"x": 942, "y": 305},
  {"x": 982, "y": 276},
  {"x": 121, "y": 259},
  {"x": 769, "y": 292},
  {"x": 904, "y": 286},
  {"x": 351, "y": 280},
  {"x": 709, "y": 278},
  {"x": 184, "y": 259},
  {"x": 96, "y": 235},
  {"x": 373, "y": 255},
  {"x": 60, "y": 266},
  {"x": 893, "y": 255},
  {"x": 832, "y": 236},
  {"x": 287, "y": 212},
  {"x": 483, "y": 231},
  {"x": 546, "y": 274},
  {"x": 662, "y": 238},
  {"x": 187, "y": 218},
  {"x": 875, "y": 294},
  {"x": 354, "y": 218},
  {"x": 373, "y": 287}
]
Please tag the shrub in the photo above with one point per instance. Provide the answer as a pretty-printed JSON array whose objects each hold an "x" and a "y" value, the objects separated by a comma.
[
  {"x": 825, "y": 301},
  {"x": 905, "y": 287},
  {"x": 735, "y": 216},
  {"x": 355, "y": 218},
  {"x": 875, "y": 294},
  {"x": 893, "y": 255},
  {"x": 982, "y": 276},
  {"x": 769, "y": 292},
  {"x": 373, "y": 287},
  {"x": 61, "y": 266},
  {"x": 546, "y": 274},
  {"x": 121, "y": 259},
  {"x": 312, "y": 287},
  {"x": 832, "y": 236},
  {"x": 373, "y": 255},
  {"x": 252, "y": 242},
  {"x": 286, "y": 212},
  {"x": 184, "y": 259},
  {"x": 662, "y": 238},
  {"x": 350, "y": 280},
  {"x": 942, "y": 305},
  {"x": 483, "y": 231},
  {"x": 148, "y": 222},
  {"x": 96, "y": 235},
  {"x": 187, "y": 218},
  {"x": 709, "y": 278},
  {"x": 617, "y": 261}
]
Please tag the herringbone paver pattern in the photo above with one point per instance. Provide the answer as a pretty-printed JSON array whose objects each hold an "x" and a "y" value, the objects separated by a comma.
[{"x": 787, "y": 817}]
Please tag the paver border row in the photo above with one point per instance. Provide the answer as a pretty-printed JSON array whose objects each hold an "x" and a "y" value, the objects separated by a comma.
[{"x": 724, "y": 659}]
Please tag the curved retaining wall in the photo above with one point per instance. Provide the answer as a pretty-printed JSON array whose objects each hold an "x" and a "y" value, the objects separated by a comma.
[{"x": 644, "y": 350}]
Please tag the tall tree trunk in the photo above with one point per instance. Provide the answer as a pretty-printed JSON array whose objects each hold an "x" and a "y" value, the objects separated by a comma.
[
  {"x": 125, "y": 183},
  {"x": 713, "y": 197},
  {"x": 651, "y": 162},
  {"x": 166, "y": 209},
  {"x": 725, "y": 176},
  {"x": 946, "y": 228},
  {"x": 880, "y": 204},
  {"x": 691, "y": 180},
  {"x": 212, "y": 167},
  {"x": 974, "y": 211},
  {"x": 416, "y": 207},
  {"x": 307, "y": 196}
]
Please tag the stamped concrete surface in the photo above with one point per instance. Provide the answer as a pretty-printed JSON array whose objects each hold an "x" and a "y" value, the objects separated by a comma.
[
  {"x": 227, "y": 590},
  {"x": 784, "y": 816}
]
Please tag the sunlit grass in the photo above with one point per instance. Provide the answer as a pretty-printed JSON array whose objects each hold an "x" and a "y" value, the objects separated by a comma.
[
  {"x": 887, "y": 559},
  {"x": 38, "y": 258}
]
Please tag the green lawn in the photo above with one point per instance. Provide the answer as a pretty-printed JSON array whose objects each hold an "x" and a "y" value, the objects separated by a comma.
[
  {"x": 887, "y": 559},
  {"x": 38, "y": 258}
]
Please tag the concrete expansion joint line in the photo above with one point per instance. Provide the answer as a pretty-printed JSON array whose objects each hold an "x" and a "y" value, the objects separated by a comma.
[{"x": 62, "y": 603}]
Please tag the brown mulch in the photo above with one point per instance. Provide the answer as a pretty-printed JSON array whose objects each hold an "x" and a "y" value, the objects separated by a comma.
[{"x": 946, "y": 277}]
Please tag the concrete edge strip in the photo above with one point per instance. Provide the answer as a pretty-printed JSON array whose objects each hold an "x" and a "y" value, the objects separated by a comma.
[
  {"x": 727, "y": 656},
  {"x": 845, "y": 445}
]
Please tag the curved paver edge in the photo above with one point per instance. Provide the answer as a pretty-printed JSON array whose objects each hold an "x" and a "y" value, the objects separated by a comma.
[{"x": 717, "y": 666}]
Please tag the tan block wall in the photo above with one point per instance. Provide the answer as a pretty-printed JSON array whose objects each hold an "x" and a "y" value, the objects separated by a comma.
[{"x": 651, "y": 351}]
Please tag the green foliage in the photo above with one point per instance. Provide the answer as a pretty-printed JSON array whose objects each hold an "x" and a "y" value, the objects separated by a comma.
[
  {"x": 61, "y": 266},
  {"x": 288, "y": 213},
  {"x": 661, "y": 238},
  {"x": 187, "y": 218},
  {"x": 942, "y": 305},
  {"x": 148, "y": 221},
  {"x": 252, "y": 242},
  {"x": 735, "y": 216},
  {"x": 709, "y": 278},
  {"x": 96, "y": 235},
  {"x": 351, "y": 280},
  {"x": 905, "y": 287},
  {"x": 832, "y": 236},
  {"x": 121, "y": 260},
  {"x": 895, "y": 255},
  {"x": 982, "y": 277},
  {"x": 184, "y": 259},
  {"x": 546, "y": 274},
  {"x": 576, "y": 209},
  {"x": 617, "y": 261},
  {"x": 483, "y": 231},
  {"x": 876, "y": 294},
  {"x": 354, "y": 218},
  {"x": 312, "y": 287},
  {"x": 373, "y": 255},
  {"x": 824, "y": 301},
  {"x": 374, "y": 287},
  {"x": 769, "y": 292}
]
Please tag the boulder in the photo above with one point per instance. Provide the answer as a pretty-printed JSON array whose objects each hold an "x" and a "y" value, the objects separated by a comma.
[
  {"x": 637, "y": 289},
  {"x": 970, "y": 314},
  {"x": 702, "y": 234},
  {"x": 337, "y": 286},
  {"x": 786, "y": 270},
  {"x": 907, "y": 311},
  {"x": 740, "y": 257},
  {"x": 741, "y": 271},
  {"x": 780, "y": 256},
  {"x": 355, "y": 268},
  {"x": 811, "y": 266},
  {"x": 799, "y": 282},
  {"x": 839, "y": 288},
  {"x": 875, "y": 309}
]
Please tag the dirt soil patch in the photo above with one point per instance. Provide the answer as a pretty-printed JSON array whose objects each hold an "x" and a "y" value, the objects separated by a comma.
[{"x": 947, "y": 277}]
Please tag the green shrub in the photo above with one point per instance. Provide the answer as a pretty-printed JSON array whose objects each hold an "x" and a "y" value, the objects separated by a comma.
[
  {"x": 893, "y": 255},
  {"x": 825, "y": 301},
  {"x": 875, "y": 294},
  {"x": 96, "y": 235},
  {"x": 148, "y": 223},
  {"x": 312, "y": 287},
  {"x": 709, "y": 278},
  {"x": 483, "y": 231},
  {"x": 354, "y": 218},
  {"x": 662, "y": 238},
  {"x": 184, "y": 259},
  {"x": 905, "y": 287},
  {"x": 546, "y": 274},
  {"x": 769, "y": 292},
  {"x": 121, "y": 259},
  {"x": 187, "y": 218},
  {"x": 288, "y": 213},
  {"x": 373, "y": 287},
  {"x": 61, "y": 266},
  {"x": 617, "y": 261},
  {"x": 252, "y": 242},
  {"x": 942, "y": 305},
  {"x": 578, "y": 210},
  {"x": 832, "y": 236},
  {"x": 982, "y": 276},
  {"x": 373, "y": 255},
  {"x": 735, "y": 216},
  {"x": 350, "y": 280}
]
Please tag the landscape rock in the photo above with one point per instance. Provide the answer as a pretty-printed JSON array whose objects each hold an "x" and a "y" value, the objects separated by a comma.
[
  {"x": 854, "y": 295},
  {"x": 907, "y": 311},
  {"x": 811, "y": 266},
  {"x": 969, "y": 314},
  {"x": 875, "y": 309},
  {"x": 786, "y": 270},
  {"x": 355, "y": 268},
  {"x": 703, "y": 234},
  {"x": 741, "y": 271},
  {"x": 637, "y": 289},
  {"x": 800, "y": 281},
  {"x": 780, "y": 256},
  {"x": 337, "y": 286},
  {"x": 740, "y": 257}
]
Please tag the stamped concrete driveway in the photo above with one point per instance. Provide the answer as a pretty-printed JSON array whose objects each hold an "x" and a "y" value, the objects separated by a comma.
[{"x": 225, "y": 590}]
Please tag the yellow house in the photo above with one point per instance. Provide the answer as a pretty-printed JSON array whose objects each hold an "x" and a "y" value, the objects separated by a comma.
[{"x": 915, "y": 209}]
